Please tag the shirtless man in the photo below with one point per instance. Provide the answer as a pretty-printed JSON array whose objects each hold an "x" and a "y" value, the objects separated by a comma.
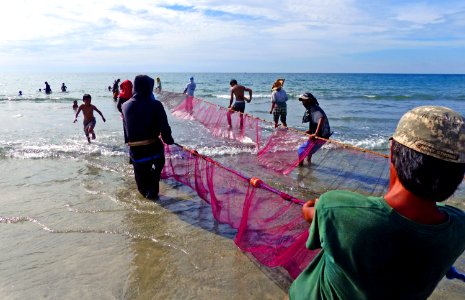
[
  {"x": 89, "y": 119},
  {"x": 238, "y": 90}
]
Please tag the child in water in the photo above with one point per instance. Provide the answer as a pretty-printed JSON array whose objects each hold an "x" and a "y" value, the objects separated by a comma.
[
  {"x": 75, "y": 105},
  {"x": 89, "y": 119}
]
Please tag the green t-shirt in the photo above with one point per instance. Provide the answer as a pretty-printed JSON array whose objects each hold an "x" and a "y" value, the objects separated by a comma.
[{"x": 369, "y": 251}]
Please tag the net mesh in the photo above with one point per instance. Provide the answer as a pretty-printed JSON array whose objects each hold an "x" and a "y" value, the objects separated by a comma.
[
  {"x": 285, "y": 149},
  {"x": 220, "y": 121},
  {"x": 269, "y": 221}
]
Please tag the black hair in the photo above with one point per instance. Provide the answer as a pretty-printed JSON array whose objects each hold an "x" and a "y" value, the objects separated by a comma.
[
  {"x": 233, "y": 82},
  {"x": 426, "y": 176},
  {"x": 86, "y": 96}
]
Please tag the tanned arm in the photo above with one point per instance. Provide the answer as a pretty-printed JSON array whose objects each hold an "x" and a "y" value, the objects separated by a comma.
[{"x": 96, "y": 109}]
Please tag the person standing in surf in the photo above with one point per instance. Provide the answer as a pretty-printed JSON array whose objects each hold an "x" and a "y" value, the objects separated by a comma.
[
  {"x": 144, "y": 121},
  {"x": 89, "y": 119},
  {"x": 238, "y": 91},
  {"x": 115, "y": 89},
  {"x": 318, "y": 125},
  {"x": 48, "y": 89},
  {"x": 189, "y": 91},
  {"x": 278, "y": 103},
  {"x": 158, "y": 88},
  {"x": 125, "y": 93}
]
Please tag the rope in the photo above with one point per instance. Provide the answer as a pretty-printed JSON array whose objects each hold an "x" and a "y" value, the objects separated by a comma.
[{"x": 304, "y": 133}]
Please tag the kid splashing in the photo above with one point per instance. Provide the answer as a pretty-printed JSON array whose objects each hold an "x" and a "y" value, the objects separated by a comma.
[{"x": 89, "y": 119}]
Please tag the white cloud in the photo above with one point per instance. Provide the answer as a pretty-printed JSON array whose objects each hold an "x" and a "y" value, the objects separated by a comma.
[{"x": 217, "y": 35}]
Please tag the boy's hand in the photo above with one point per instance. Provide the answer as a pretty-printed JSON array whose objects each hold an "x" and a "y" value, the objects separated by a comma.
[
  {"x": 308, "y": 210},
  {"x": 75, "y": 120},
  {"x": 104, "y": 119}
]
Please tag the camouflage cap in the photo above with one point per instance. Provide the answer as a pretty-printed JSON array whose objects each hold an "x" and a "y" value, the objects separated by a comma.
[{"x": 433, "y": 130}]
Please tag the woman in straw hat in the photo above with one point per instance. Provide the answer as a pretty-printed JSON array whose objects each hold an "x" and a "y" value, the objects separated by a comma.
[{"x": 278, "y": 103}]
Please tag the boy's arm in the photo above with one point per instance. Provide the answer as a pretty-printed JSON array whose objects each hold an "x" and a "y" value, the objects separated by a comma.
[
  {"x": 273, "y": 102},
  {"x": 231, "y": 100},
  {"x": 272, "y": 106},
  {"x": 77, "y": 113},
  {"x": 250, "y": 94},
  {"x": 100, "y": 113},
  {"x": 319, "y": 126}
]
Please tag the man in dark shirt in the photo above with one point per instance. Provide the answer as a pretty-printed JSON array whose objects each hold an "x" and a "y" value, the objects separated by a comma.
[
  {"x": 144, "y": 121},
  {"x": 318, "y": 124}
]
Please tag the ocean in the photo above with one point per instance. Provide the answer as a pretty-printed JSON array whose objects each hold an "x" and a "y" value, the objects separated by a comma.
[{"x": 72, "y": 224}]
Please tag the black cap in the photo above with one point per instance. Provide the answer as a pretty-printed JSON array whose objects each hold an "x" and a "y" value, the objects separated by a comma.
[{"x": 308, "y": 96}]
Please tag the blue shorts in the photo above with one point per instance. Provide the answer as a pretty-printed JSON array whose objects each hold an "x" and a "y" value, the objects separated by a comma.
[
  {"x": 239, "y": 106},
  {"x": 88, "y": 124}
]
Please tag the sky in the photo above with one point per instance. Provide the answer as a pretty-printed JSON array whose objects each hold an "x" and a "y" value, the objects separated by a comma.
[{"x": 295, "y": 36}]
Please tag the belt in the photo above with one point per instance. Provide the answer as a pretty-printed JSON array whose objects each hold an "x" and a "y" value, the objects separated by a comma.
[{"x": 142, "y": 143}]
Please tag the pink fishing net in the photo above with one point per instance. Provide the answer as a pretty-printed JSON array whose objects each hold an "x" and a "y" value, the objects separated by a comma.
[
  {"x": 286, "y": 148},
  {"x": 220, "y": 121},
  {"x": 269, "y": 222}
]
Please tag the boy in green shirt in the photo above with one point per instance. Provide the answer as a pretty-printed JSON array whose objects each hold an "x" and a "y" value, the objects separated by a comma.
[{"x": 398, "y": 246}]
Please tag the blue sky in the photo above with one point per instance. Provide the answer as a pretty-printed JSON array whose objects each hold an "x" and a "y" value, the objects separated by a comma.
[{"x": 233, "y": 36}]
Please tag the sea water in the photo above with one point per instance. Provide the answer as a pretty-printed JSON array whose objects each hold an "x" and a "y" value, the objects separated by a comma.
[{"x": 72, "y": 224}]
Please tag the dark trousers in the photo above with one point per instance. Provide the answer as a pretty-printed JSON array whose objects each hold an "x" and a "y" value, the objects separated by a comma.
[{"x": 147, "y": 175}]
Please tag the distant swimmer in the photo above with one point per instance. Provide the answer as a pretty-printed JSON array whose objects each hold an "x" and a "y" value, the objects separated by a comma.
[
  {"x": 237, "y": 91},
  {"x": 20, "y": 93},
  {"x": 63, "y": 87},
  {"x": 115, "y": 89},
  {"x": 48, "y": 90},
  {"x": 89, "y": 119},
  {"x": 75, "y": 105},
  {"x": 40, "y": 90},
  {"x": 109, "y": 88},
  {"x": 158, "y": 88}
]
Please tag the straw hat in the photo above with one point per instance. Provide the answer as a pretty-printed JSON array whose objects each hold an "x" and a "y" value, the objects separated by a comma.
[{"x": 277, "y": 84}]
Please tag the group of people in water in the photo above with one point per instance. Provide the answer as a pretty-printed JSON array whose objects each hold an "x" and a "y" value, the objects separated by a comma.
[
  {"x": 397, "y": 246},
  {"x": 48, "y": 89}
]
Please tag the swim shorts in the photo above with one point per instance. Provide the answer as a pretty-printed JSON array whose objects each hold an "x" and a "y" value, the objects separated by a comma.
[
  {"x": 88, "y": 124},
  {"x": 239, "y": 106},
  {"x": 280, "y": 111}
]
